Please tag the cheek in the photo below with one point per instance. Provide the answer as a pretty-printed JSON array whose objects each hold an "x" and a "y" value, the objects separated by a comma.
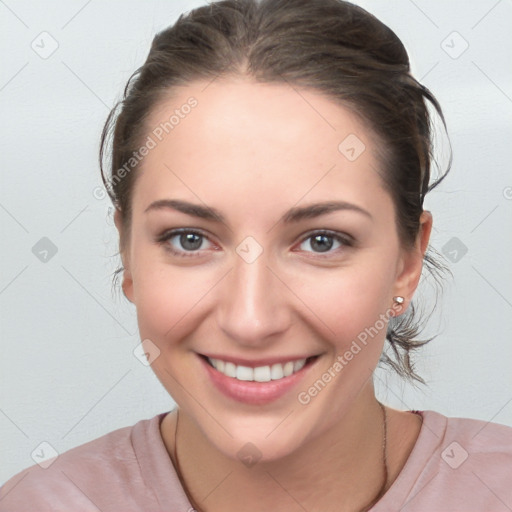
[
  {"x": 345, "y": 318},
  {"x": 349, "y": 301},
  {"x": 171, "y": 306},
  {"x": 169, "y": 298},
  {"x": 160, "y": 307}
]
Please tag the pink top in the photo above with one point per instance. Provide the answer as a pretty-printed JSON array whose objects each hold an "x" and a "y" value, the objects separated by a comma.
[{"x": 457, "y": 464}]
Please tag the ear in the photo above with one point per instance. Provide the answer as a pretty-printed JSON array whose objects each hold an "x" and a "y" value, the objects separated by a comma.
[
  {"x": 411, "y": 264},
  {"x": 127, "y": 283}
]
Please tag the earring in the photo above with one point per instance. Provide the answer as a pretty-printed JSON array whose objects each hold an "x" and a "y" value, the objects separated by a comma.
[{"x": 398, "y": 299}]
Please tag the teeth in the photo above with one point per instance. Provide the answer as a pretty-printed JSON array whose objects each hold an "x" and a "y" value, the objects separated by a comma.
[
  {"x": 260, "y": 373},
  {"x": 288, "y": 368},
  {"x": 244, "y": 373},
  {"x": 229, "y": 368},
  {"x": 297, "y": 365},
  {"x": 277, "y": 372}
]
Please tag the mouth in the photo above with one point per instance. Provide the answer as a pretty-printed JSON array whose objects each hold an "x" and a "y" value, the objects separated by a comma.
[
  {"x": 253, "y": 382},
  {"x": 259, "y": 373}
]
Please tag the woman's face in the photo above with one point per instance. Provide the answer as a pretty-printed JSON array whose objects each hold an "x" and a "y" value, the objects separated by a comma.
[{"x": 259, "y": 276}]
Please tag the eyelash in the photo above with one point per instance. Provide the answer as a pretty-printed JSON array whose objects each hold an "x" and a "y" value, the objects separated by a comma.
[{"x": 344, "y": 240}]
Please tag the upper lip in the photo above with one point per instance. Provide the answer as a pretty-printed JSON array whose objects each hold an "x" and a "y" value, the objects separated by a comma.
[{"x": 254, "y": 363}]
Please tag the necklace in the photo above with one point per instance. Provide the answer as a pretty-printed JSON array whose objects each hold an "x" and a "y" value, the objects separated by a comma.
[{"x": 379, "y": 495}]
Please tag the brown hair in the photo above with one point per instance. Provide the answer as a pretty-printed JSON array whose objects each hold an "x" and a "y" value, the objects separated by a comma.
[{"x": 329, "y": 46}]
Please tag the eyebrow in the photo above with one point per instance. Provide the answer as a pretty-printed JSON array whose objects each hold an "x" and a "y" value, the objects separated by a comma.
[{"x": 294, "y": 214}]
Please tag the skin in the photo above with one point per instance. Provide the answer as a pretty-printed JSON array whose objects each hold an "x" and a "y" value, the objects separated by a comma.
[{"x": 253, "y": 151}]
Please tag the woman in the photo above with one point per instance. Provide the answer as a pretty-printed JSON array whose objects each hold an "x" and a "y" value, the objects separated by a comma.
[{"x": 269, "y": 166}]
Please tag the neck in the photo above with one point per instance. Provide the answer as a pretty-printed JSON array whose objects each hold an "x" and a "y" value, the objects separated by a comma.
[{"x": 343, "y": 469}]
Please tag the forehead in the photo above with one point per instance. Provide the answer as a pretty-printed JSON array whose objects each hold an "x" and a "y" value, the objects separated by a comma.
[{"x": 269, "y": 142}]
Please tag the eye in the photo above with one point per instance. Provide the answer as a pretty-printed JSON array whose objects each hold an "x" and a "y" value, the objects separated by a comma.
[
  {"x": 188, "y": 242},
  {"x": 183, "y": 241},
  {"x": 325, "y": 241}
]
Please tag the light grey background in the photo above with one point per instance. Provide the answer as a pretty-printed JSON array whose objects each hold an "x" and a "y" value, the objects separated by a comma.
[{"x": 68, "y": 373}]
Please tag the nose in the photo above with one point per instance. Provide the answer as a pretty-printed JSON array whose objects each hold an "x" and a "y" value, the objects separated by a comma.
[{"x": 252, "y": 308}]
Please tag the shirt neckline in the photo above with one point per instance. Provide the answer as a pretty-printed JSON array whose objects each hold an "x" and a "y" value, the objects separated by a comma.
[
  {"x": 429, "y": 438},
  {"x": 167, "y": 490},
  {"x": 154, "y": 460}
]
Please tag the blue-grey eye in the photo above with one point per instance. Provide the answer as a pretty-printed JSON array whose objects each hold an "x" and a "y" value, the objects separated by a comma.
[
  {"x": 182, "y": 242},
  {"x": 321, "y": 242}
]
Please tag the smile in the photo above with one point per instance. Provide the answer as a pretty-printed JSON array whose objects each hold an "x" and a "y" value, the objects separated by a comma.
[
  {"x": 256, "y": 382},
  {"x": 266, "y": 373}
]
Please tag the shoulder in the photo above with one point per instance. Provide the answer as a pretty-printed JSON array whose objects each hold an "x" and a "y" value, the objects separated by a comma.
[
  {"x": 474, "y": 465},
  {"x": 479, "y": 433},
  {"x": 487, "y": 445},
  {"x": 85, "y": 478},
  {"x": 457, "y": 464}
]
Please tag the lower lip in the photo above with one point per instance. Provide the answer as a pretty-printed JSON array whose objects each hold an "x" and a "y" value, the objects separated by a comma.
[{"x": 255, "y": 393}]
